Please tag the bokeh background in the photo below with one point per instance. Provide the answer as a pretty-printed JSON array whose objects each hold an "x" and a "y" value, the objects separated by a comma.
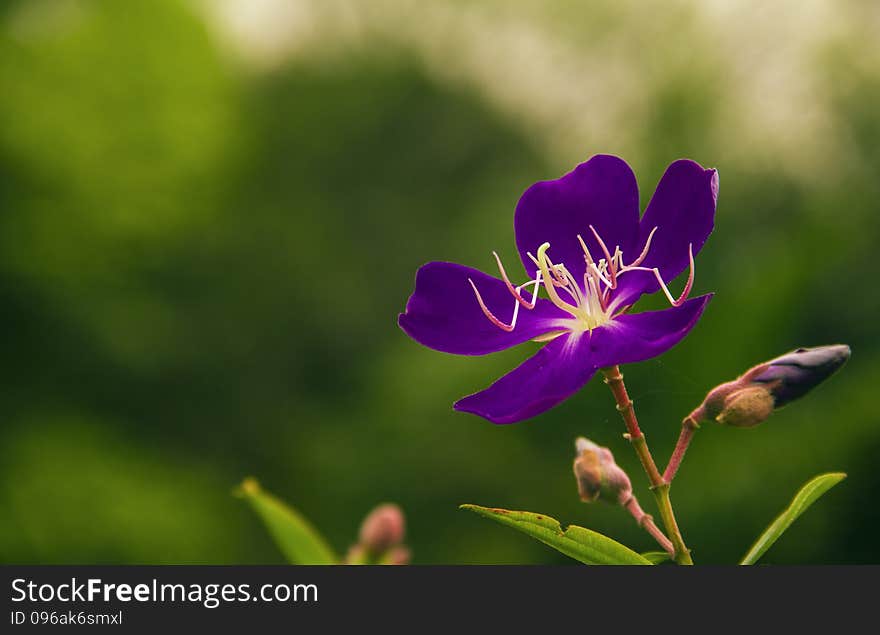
[{"x": 212, "y": 212}]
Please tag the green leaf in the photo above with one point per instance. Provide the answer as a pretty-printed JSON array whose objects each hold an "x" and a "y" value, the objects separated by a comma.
[
  {"x": 298, "y": 540},
  {"x": 807, "y": 495},
  {"x": 656, "y": 557},
  {"x": 576, "y": 542}
]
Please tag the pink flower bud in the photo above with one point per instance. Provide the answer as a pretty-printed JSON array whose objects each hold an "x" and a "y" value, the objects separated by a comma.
[
  {"x": 383, "y": 528},
  {"x": 598, "y": 476}
]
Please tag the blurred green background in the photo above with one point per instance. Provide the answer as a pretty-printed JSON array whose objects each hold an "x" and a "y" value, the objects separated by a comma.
[{"x": 212, "y": 212}]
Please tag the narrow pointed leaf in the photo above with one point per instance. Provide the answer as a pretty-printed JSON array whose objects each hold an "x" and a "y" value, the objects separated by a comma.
[
  {"x": 298, "y": 540},
  {"x": 807, "y": 495},
  {"x": 582, "y": 544},
  {"x": 656, "y": 557}
]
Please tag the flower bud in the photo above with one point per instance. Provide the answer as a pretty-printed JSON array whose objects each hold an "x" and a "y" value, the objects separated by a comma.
[
  {"x": 751, "y": 398},
  {"x": 598, "y": 476},
  {"x": 796, "y": 373},
  {"x": 382, "y": 529},
  {"x": 746, "y": 407}
]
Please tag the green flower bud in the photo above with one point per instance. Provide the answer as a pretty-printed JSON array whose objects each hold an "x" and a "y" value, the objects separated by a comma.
[
  {"x": 598, "y": 476},
  {"x": 746, "y": 407}
]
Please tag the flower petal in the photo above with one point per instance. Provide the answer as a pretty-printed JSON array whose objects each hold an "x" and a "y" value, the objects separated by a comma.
[
  {"x": 550, "y": 376},
  {"x": 683, "y": 211},
  {"x": 640, "y": 336},
  {"x": 601, "y": 192},
  {"x": 443, "y": 312}
]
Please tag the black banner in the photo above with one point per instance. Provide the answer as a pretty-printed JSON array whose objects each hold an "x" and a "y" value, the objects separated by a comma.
[{"x": 408, "y": 599}]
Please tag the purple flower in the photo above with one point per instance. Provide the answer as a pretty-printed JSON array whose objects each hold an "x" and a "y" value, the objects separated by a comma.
[{"x": 580, "y": 239}]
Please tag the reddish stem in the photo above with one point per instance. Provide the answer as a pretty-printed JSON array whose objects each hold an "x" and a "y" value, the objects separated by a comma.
[
  {"x": 688, "y": 427},
  {"x": 646, "y": 521},
  {"x": 614, "y": 379},
  {"x": 659, "y": 487}
]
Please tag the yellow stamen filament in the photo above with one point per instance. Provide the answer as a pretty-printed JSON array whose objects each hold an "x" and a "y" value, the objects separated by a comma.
[
  {"x": 587, "y": 255},
  {"x": 546, "y": 337},
  {"x": 544, "y": 263}
]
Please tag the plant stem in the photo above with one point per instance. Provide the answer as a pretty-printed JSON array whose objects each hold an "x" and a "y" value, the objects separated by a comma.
[
  {"x": 688, "y": 427},
  {"x": 614, "y": 380},
  {"x": 659, "y": 486},
  {"x": 682, "y": 553},
  {"x": 647, "y": 523}
]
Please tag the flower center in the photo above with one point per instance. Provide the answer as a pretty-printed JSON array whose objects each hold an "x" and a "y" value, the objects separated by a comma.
[{"x": 589, "y": 302}]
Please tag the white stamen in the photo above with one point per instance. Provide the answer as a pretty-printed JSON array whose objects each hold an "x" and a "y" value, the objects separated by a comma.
[
  {"x": 601, "y": 276},
  {"x": 590, "y": 307}
]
